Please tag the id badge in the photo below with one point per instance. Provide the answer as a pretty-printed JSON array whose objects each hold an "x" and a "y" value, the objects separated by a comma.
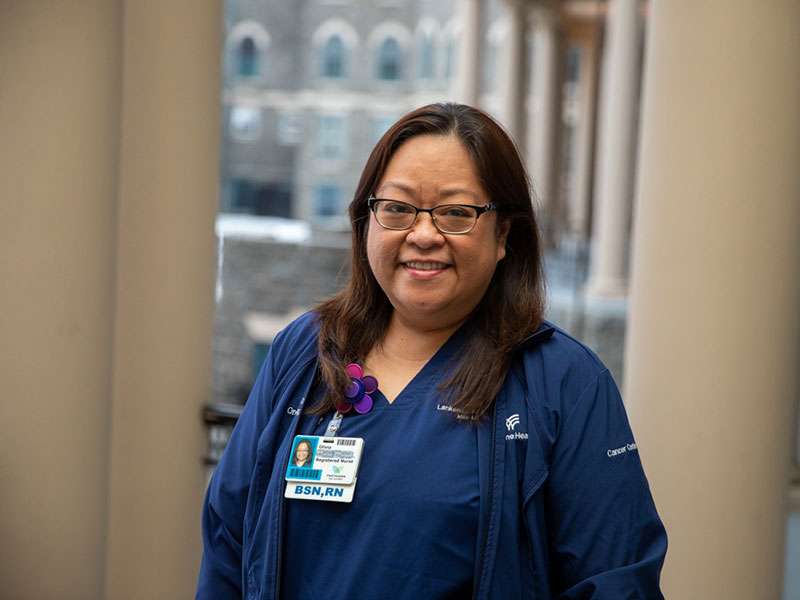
[{"x": 323, "y": 468}]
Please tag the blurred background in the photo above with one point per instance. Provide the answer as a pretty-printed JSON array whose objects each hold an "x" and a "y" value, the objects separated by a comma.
[{"x": 174, "y": 178}]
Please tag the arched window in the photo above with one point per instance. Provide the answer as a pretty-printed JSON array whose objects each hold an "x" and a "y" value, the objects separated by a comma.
[
  {"x": 390, "y": 60},
  {"x": 248, "y": 63},
  {"x": 334, "y": 57},
  {"x": 425, "y": 56},
  {"x": 245, "y": 49}
]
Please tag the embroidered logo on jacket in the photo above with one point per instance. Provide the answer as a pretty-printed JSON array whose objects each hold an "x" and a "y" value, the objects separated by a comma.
[
  {"x": 512, "y": 422},
  {"x": 511, "y": 425}
]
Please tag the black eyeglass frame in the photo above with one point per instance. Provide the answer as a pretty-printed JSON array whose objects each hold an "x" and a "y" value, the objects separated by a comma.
[{"x": 479, "y": 210}]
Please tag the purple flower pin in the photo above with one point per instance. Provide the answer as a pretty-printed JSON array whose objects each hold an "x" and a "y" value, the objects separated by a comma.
[{"x": 357, "y": 394}]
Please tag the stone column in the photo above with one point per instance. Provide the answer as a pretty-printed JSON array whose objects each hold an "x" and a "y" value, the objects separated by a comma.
[
  {"x": 547, "y": 100},
  {"x": 619, "y": 90},
  {"x": 513, "y": 75},
  {"x": 712, "y": 354},
  {"x": 470, "y": 51},
  {"x": 168, "y": 186},
  {"x": 579, "y": 213},
  {"x": 59, "y": 67}
]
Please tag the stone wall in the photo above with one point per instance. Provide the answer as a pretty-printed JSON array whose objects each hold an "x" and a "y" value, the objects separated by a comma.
[{"x": 269, "y": 277}]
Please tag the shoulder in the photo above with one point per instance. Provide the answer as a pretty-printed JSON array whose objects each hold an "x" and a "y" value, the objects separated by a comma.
[
  {"x": 557, "y": 371},
  {"x": 553, "y": 350},
  {"x": 297, "y": 340}
]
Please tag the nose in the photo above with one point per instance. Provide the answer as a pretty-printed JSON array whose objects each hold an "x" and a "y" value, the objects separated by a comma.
[{"x": 423, "y": 232}]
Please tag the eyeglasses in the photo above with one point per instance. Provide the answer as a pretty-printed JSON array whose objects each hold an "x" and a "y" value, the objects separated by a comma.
[{"x": 448, "y": 218}]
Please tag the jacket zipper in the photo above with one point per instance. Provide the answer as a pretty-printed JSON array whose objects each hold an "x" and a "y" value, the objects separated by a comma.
[{"x": 485, "y": 535}]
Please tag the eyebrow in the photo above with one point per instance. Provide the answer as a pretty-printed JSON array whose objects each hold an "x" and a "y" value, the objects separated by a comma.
[{"x": 443, "y": 194}]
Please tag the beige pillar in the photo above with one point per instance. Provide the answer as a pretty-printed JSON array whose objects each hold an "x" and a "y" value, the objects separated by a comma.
[
  {"x": 108, "y": 179},
  {"x": 619, "y": 90},
  {"x": 165, "y": 290},
  {"x": 59, "y": 67},
  {"x": 579, "y": 210},
  {"x": 712, "y": 355},
  {"x": 470, "y": 51},
  {"x": 547, "y": 100},
  {"x": 513, "y": 75}
]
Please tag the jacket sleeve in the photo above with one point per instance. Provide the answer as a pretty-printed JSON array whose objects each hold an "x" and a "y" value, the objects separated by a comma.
[
  {"x": 605, "y": 538},
  {"x": 226, "y": 499}
]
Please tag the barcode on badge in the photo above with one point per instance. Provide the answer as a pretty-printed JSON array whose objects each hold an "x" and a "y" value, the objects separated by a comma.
[
  {"x": 342, "y": 442},
  {"x": 299, "y": 473}
]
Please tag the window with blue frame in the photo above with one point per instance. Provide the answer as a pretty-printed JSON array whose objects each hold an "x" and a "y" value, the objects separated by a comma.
[
  {"x": 248, "y": 58},
  {"x": 333, "y": 63},
  {"x": 331, "y": 136},
  {"x": 240, "y": 196},
  {"x": 390, "y": 60},
  {"x": 327, "y": 201},
  {"x": 425, "y": 56}
]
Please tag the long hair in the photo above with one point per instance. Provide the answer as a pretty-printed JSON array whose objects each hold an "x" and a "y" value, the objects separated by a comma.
[
  {"x": 308, "y": 449},
  {"x": 353, "y": 321}
]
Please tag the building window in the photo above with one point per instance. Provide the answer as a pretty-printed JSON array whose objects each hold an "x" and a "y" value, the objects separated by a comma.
[
  {"x": 246, "y": 123},
  {"x": 289, "y": 128},
  {"x": 245, "y": 49},
  {"x": 425, "y": 56},
  {"x": 331, "y": 136},
  {"x": 450, "y": 58},
  {"x": 240, "y": 195},
  {"x": 390, "y": 60},
  {"x": 334, "y": 58},
  {"x": 273, "y": 199},
  {"x": 380, "y": 125},
  {"x": 248, "y": 59},
  {"x": 327, "y": 201}
]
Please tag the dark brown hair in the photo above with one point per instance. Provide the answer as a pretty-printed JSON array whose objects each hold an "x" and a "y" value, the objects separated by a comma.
[{"x": 353, "y": 321}]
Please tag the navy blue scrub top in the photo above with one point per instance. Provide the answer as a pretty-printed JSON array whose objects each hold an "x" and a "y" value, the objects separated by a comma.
[{"x": 412, "y": 527}]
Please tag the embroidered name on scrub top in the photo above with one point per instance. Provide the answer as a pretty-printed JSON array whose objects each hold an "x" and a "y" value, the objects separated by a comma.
[{"x": 330, "y": 473}]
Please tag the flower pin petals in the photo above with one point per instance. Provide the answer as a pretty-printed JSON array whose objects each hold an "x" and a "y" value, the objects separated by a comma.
[
  {"x": 357, "y": 394},
  {"x": 364, "y": 405},
  {"x": 342, "y": 406},
  {"x": 353, "y": 370},
  {"x": 370, "y": 384}
]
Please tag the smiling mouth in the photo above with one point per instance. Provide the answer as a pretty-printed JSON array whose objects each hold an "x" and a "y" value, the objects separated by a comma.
[{"x": 426, "y": 266}]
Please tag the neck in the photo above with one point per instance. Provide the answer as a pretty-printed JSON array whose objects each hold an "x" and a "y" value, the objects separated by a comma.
[{"x": 410, "y": 342}]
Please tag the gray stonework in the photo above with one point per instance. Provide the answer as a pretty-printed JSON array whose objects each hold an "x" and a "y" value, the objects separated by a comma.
[{"x": 271, "y": 278}]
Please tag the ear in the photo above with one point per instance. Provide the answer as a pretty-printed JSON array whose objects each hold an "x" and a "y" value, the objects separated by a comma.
[{"x": 503, "y": 227}]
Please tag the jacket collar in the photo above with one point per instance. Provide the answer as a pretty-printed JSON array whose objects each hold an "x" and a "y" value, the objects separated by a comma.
[{"x": 542, "y": 334}]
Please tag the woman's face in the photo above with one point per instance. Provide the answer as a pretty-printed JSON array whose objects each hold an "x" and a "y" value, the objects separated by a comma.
[
  {"x": 301, "y": 454},
  {"x": 434, "y": 280}
]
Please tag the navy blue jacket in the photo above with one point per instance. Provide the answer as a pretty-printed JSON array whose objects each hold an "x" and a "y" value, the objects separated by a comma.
[{"x": 565, "y": 509}]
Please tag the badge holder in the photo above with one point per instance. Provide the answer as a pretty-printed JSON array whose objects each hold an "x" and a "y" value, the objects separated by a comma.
[{"x": 326, "y": 467}]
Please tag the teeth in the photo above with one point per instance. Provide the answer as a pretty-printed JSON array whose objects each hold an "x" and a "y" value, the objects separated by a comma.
[{"x": 426, "y": 266}]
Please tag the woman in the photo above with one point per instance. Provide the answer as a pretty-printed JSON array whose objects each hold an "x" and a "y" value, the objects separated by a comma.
[
  {"x": 302, "y": 454},
  {"x": 487, "y": 468}
]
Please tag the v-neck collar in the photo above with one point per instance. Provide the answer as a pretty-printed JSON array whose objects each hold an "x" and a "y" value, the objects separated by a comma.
[{"x": 419, "y": 385}]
